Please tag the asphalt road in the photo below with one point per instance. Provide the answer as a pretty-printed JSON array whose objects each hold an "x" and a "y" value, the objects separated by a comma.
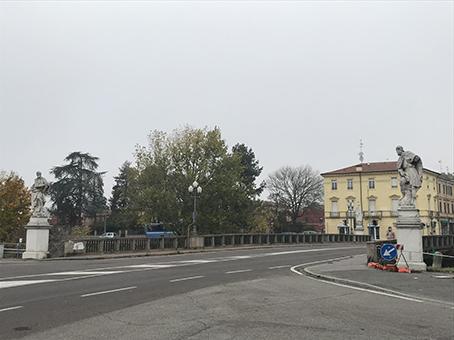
[{"x": 242, "y": 294}]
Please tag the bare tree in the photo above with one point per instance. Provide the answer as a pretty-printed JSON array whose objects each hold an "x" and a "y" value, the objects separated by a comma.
[{"x": 295, "y": 188}]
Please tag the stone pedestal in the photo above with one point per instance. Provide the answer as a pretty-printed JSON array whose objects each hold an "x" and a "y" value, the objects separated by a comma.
[
  {"x": 196, "y": 242},
  {"x": 359, "y": 230},
  {"x": 409, "y": 234},
  {"x": 37, "y": 243}
]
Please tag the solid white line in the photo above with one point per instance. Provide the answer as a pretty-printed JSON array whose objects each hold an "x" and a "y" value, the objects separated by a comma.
[
  {"x": 10, "y": 308},
  {"x": 109, "y": 291},
  {"x": 278, "y": 267},
  {"x": 187, "y": 278},
  {"x": 293, "y": 269},
  {"x": 239, "y": 271},
  {"x": 10, "y": 284}
]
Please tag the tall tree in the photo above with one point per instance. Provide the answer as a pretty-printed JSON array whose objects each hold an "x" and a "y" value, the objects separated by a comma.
[
  {"x": 122, "y": 216},
  {"x": 78, "y": 191},
  {"x": 295, "y": 188},
  {"x": 169, "y": 165},
  {"x": 14, "y": 207},
  {"x": 251, "y": 169}
]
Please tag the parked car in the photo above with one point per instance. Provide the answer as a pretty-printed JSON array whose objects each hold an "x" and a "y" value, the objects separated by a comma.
[{"x": 108, "y": 235}]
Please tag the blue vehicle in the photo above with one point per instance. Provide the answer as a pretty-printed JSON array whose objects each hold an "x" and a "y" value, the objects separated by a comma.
[{"x": 157, "y": 230}]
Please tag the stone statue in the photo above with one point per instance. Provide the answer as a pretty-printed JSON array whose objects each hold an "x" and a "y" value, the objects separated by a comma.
[
  {"x": 39, "y": 189},
  {"x": 410, "y": 170},
  {"x": 359, "y": 216}
]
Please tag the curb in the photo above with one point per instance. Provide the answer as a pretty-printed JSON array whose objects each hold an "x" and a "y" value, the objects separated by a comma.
[
  {"x": 359, "y": 284},
  {"x": 348, "y": 282}
]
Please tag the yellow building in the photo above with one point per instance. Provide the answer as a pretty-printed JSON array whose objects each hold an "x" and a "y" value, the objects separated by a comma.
[
  {"x": 445, "y": 199},
  {"x": 370, "y": 192}
]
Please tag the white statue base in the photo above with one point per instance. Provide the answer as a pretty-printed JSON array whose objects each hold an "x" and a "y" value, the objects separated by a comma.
[
  {"x": 359, "y": 230},
  {"x": 409, "y": 234},
  {"x": 37, "y": 242}
]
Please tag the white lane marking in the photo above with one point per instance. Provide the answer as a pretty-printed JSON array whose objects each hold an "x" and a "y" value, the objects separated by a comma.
[
  {"x": 109, "y": 291},
  {"x": 307, "y": 251},
  {"x": 239, "y": 271},
  {"x": 443, "y": 276},
  {"x": 9, "y": 284},
  {"x": 85, "y": 273},
  {"x": 153, "y": 266},
  {"x": 181, "y": 263},
  {"x": 11, "y": 308},
  {"x": 187, "y": 278},
  {"x": 199, "y": 261},
  {"x": 293, "y": 269},
  {"x": 278, "y": 267}
]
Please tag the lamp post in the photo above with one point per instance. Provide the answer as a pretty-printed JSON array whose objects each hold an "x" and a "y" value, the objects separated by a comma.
[{"x": 195, "y": 189}]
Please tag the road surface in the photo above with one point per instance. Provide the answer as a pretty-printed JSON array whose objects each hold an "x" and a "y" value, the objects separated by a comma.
[{"x": 240, "y": 294}]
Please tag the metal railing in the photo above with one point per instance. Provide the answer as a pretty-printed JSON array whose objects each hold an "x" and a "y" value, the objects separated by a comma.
[
  {"x": 13, "y": 250},
  {"x": 144, "y": 244},
  {"x": 437, "y": 242}
]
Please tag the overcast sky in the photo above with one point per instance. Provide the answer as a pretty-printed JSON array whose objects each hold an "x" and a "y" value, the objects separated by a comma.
[{"x": 299, "y": 82}]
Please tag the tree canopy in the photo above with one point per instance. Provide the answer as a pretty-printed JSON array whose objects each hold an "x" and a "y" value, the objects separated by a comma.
[
  {"x": 164, "y": 169},
  {"x": 14, "y": 207},
  {"x": 293, "y": 189},
  {"x": 78, "y": 191}
]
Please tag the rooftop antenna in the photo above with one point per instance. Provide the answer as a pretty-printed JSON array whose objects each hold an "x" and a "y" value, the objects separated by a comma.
[{"x": 361, "y": 153}]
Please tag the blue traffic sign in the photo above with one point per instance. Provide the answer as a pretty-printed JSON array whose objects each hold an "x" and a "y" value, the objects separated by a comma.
[{"x": 388, "y": 252}]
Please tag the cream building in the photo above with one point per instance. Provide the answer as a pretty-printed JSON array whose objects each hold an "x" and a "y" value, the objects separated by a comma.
[
  {"x": 371, "y": 191},
  {"x": 445, "y": 199}
]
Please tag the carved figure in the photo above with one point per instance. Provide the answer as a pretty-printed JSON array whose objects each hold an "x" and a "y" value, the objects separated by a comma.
[
  {"x": 410, "y": 170},
  {"x": 39, "y": 190}
]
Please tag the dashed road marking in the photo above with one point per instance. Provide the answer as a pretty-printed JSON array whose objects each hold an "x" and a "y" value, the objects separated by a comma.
[
  {"x": 9, "y": 284},
  {"x": 108, "y": 291},
  {"x": 11, "y": 308},
  {"x": 239, "y": 271},
  {"x": 279, "y": 267},
  {"x": 187, "y": 278},
  {"x": 85, "y": 273}
]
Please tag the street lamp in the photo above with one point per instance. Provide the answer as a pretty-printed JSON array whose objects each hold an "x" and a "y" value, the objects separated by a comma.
[{"x": 195, "y": 189}]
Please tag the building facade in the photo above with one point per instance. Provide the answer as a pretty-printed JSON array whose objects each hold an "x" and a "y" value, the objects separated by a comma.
[
  {"x": 370, "y": 192},
  {"x": 445, "y": 203}
]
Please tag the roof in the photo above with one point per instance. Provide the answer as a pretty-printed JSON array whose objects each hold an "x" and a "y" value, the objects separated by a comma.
[{"x": 368, "y": 168}]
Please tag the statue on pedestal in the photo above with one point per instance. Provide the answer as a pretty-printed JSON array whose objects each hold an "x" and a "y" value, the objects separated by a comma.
[
  {"x": 39, "y": 190},
  {"x": 410, "y": 170},
  {"x": 359, "y": 216}
]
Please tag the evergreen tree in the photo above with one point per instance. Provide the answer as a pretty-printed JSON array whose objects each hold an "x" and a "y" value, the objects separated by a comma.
[
  {"x": 78, "y": 191},
  {"x": 122, "y": 215}
]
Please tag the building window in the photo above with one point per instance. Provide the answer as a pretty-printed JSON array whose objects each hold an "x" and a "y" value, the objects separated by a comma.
[
  {"x": 394, "y": 182},
  {"x": 394, "y": 204},
  {"x": 440, "y": 206},
  {"x": 349, "y": 184},
  {"x": 371, "y": 183},
  {"x": 334, "y": 208},
  {"x": 372, "y": 205},
  {"x": 333, "y": 184},
  {"x": 439, "y": 187}
]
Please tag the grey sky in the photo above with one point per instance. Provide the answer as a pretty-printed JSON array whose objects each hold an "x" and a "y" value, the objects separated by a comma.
[{"x": 299, "y": 82}]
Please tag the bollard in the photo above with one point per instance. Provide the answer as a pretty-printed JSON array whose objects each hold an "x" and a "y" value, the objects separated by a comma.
[{"x": 437, "y": 260}]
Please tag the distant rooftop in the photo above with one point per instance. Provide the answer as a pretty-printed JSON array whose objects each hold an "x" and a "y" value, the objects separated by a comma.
[{"x": 369, "y": 167}]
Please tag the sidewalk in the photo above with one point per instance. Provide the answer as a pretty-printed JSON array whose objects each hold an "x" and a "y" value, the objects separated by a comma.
[{"x": 354, "y": 271}]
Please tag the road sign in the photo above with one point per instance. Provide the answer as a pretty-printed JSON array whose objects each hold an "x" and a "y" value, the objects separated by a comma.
[{"x": 388, "y": 252}]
